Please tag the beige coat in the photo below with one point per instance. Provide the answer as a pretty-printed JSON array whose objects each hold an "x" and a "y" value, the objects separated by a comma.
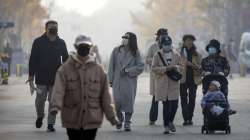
[
  {"x": 165, "y": 87},
  {"x": 149, "y": 59},
  {"x": 82, "y": 94}
]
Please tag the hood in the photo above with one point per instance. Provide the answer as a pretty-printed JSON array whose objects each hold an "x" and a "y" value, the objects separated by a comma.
[{"x": 90, "y": 60}]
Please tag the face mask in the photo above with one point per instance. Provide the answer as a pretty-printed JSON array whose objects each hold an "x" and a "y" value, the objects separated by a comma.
[
  {"x": 83, "y": 51},
  {"x": 212, "y": 50},
  {"x": 125, "y": 41},
  {"x": 166, "y": 48},
  {"x": 53, "y": 31}
]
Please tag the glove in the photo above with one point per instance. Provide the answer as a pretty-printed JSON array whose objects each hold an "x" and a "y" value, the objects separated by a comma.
[{"x": 221, "y": 73}]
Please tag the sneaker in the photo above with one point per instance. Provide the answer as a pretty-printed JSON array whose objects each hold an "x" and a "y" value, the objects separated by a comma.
[
  {"x": 151, "y": 123},
  {"x": 39, "y": 122},
  {"x": 172, "y": 127},
  {"x": 127, "y": 127},
  {"x": 51, "y": 128},
  {"x": 119, "y": 126},
  {"x": 185, "y": 123},
  {"x": 166, "y": 130}
]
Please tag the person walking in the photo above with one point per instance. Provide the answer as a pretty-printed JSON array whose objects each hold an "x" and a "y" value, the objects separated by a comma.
[
  {"x": 167, "y": 60},
  {"x": 191, "y": 72},
  {"x": 216, "y": 64},
  {"x": 82, "y": 94},
  {"x": 153, "y": 114},
  {"x": 47, "y": 54},
  {"x": 124, "y": 68}
]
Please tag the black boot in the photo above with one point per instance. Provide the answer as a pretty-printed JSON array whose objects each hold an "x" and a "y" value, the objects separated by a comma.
[
  {"x": 39, "y": 122},
  {"x": 51, "y": 128}
]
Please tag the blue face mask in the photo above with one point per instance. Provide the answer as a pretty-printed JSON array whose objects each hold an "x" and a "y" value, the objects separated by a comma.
[
  {"x": 212, "y": 50},
  {"x": 166, "y": 48}
]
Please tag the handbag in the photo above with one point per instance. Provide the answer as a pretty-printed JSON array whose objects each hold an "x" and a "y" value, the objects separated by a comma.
[{"x": 172, "y": 74}]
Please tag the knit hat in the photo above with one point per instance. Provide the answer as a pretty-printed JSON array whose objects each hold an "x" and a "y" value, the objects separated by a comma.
[
  {"x": 214, "y": 43},
  {"x": 216, "y": 83}
]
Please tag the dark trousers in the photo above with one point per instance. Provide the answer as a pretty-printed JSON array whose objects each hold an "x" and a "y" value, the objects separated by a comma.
[
  {"x": 153, "y": 114},
  {"x": 169, "y": 111},
  {"x": 188, "y": 97},
  {"x": 80, "y": 134}
]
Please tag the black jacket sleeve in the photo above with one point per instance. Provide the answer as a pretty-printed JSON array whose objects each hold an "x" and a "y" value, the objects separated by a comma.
[
  {"x": 65, "y": 54},
  {"x": 33, "y": 59}
]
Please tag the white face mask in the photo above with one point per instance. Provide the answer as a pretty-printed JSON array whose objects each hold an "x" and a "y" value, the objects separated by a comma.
[
  {"x": 125, "y": 41},
  {"x": 167, "y": 48}
]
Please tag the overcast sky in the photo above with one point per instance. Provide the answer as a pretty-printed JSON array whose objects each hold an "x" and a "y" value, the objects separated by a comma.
[{"x": 105, "y": 21}]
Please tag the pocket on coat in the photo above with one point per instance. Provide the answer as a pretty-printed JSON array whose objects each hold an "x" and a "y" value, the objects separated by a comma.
[
  {"x": 95, "y": 115},
  {"x": 94, "y": 104},
  {"x": 71, "y": 99},
  {"x": 73, "y": 84},
  {"x": 70, "y": 115},
  {"x": 94, "y": 88}
]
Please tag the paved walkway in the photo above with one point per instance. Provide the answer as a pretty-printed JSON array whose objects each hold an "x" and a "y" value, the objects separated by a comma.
[{"x": 17, "y": 116}]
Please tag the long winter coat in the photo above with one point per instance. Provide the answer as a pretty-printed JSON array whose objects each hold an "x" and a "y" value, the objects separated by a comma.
[
  {"x": 149, "y": 59},
  {"x": 166, "y": 89},
  {"x": 124, "y": 84}
]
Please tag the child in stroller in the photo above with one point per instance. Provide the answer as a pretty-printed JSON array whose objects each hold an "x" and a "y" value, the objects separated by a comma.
[{"x": 216, "y": 109}]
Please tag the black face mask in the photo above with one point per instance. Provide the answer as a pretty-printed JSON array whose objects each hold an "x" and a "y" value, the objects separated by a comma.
[
  {"x": 53, "y": 31},
  {"x": 83, "y": 51}
]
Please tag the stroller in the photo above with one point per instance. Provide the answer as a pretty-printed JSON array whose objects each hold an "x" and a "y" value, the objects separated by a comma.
[{"x": 212, "y": 122}]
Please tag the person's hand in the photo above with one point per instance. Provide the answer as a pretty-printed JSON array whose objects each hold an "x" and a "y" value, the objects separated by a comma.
[
  {"x": 124, "y": 71},
  {"x": 53, "y": 112},
  {"x": 30, "y": 79},
  {"x": 221, "y": 73},
  {"x": 175, "y": 67},
  {"x": 115, "y": 121},
  {"x": 207, "y": 73},
  {"x": 189, "y": 63}
]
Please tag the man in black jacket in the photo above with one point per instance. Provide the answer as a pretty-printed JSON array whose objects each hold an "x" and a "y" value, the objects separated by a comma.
[{"x": 47, "y": 54}]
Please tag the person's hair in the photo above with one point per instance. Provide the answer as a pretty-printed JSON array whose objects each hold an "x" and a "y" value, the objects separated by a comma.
[
  {"x": 193, "y": 49},
  {"x": 50, "y": 22},
  {"x": 132, "y": 43}
]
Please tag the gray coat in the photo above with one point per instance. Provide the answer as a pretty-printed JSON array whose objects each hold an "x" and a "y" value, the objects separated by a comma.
[{"x": 124, "y": 83}]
